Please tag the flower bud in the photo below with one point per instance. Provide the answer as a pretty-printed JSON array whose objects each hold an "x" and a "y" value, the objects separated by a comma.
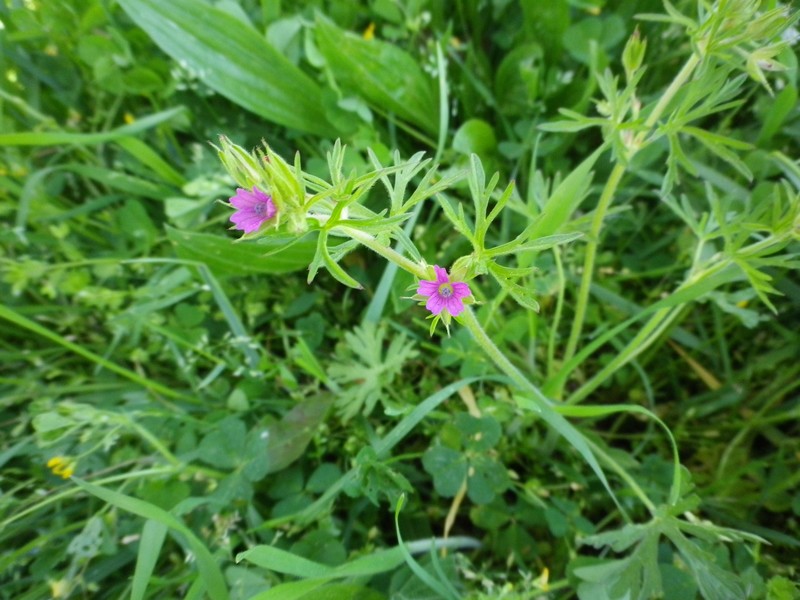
[
  {"x": 633, "y": 55},
  {"x": 273, "y": 176},
  {"x": 240, "y": 164}
]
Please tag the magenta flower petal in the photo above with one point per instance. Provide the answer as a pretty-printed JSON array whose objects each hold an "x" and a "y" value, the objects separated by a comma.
[
  {"x": 427, "y": 288},
  {"x": 455, "y": 306},
  {"x": 246, "y": 222},
  {"x": 435, "y": 304},
  {"x": 443, "y": 294},
  {"x": 460, "y": 290},
  {"x": 253, "y": 209}
]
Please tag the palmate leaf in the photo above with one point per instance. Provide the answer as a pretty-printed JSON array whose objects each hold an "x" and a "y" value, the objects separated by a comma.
[
  {"x": 366, "y": 368},
  {"x": 715, "y": 583},
  {"x": 638, "y": 575}
]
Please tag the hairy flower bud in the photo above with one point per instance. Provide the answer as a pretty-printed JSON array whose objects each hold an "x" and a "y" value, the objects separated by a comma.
[{"x": 273, "y": 176}]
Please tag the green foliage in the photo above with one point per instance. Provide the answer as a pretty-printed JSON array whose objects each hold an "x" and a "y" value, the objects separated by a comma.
[
  {"x": 470, "y": 463},
  {"x": 387, "y": 77},
  {"x": 227, "y": 54},
  {"x": 641, "y": 574},
  {"x": 367, "y": 367},
  {"x": 617, "y": 182}
]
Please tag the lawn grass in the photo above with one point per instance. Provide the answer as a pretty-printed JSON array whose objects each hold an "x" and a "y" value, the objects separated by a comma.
[{"x": 195, "y": 411}]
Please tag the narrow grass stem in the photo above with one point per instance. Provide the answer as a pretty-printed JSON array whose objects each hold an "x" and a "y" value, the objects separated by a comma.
[
  {"x": 652, "y": 329},
  {"x": 74, "y": 491},
  {"x": 551, "y": 342}
]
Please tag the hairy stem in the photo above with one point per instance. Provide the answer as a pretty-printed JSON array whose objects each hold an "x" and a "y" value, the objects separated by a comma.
[
  {"x": 468, "y": 320},
  {"x": 588, "y": 262},
  {"x": 680, "y": 79},
  {"x": 387, "y": 252},
  {"x": 605, "y": 201}
]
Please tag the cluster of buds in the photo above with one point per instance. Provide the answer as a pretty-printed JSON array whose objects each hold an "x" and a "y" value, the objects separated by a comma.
[
  {"x": 739, "y": 29},
  {"x": 270, "y": 191}
]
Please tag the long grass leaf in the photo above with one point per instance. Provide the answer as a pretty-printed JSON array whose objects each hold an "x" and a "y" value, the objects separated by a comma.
[
  {"x": 209, "y": 570},
  {"x": 56, "y": 138},
  {"x": 153, "y": 534},
  {"x": 429, "y": 580},
  {"x": 234, "y": 60},
  {"x": 14, "y": 317}
]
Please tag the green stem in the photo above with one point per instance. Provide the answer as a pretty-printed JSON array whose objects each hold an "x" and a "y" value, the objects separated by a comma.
[
  {"x": 605, "y": 202},
  {"x": 539, "y": 402},
  {"x": 536, "y": 399},
  {"x": 153, "y": 441},
  {"x": 386, "y": 251},
  {"x": 650, "y": 332},
  {"x": 625, "y": 476},
  {"x": 551, "y": 342},
  {"x": 74, "y": 491},
  {"x": 468, "y": 320},
  {"x": 155, "y": 387},
  {"x": 680, "y": 80},
  {"x": 588, "y": 263}
]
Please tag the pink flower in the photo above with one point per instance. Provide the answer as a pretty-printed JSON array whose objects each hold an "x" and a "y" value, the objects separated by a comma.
[
  {"x": 442, "y": 294},
  {"x": 252, "y": 209}
]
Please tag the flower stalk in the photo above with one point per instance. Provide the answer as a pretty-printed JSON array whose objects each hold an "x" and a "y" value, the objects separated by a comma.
[
  {"x": 385, "y": 251},
  {"x": 606, "y": 199}
]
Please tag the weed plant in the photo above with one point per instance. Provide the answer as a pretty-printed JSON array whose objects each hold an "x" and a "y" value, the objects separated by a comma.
[{"x": 507, "y": 308}]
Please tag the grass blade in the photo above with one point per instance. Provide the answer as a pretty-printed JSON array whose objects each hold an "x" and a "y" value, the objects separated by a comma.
[
  {"x": 153, "y": 534},
  {"x": 210, "y": 572},
  {"x": 56, "y": 138},
  {"x": 234, "y": 60}
]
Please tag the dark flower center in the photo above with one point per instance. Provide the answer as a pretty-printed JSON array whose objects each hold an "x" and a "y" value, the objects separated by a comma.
[
  {"x": 445, "y": 290},
  {"x": 260, "y": 209}
]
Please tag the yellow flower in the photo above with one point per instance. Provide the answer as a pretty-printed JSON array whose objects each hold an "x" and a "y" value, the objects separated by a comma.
[
  {"x": 369, "y": 32},
  {"x": 60, "y": 465},
  {"x": 59, "y": 589},
  {"x": 543, "y": 581}
]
